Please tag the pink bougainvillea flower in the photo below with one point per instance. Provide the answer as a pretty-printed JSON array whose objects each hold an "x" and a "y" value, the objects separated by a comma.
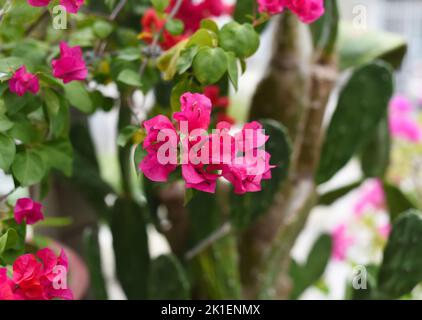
[
  {"x": 151, "y": 25},
  {"x": 385, "y": 230},
  {"x": 195, "y": 110},
  {"x": 153, "y": 168},
  {"x": 23, "y": 81},
  {"x": 39, "y": 3},
  {"x": 271, "y": 7},
  {"x": 402, "y": 124},
  {"x": 218, "y": 101},
  {"x": 201, "y": 177},
  {"x": 192, "y": 12},
  {"x": 308, "y": 11},
  {"x": 72, "y": 6},
  {"x": 6, "y": 291},
  {"x": 251, "y": 137},
  {"x": 372, "y": 198},
  {"x": 28, "y": 210},
  {"x": 41, "y": 277},
  {"x": 71, "y": 65},
  {"x": 247, "y": 174},
  {"x": 341, "y": 242}
]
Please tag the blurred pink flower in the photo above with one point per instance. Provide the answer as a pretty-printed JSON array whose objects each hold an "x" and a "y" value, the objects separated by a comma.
[
  {"x": 271, "y": 7},
  {"x": 308, "y": 11},
  {"x": 6, "y": 292},
  {"x": 39, "y": 3},
  {"x": 28, "y": 210},
  {"x": 23, "y": 81},
  {"x": 200, "y": 177},
  {"x": 385, "y": 230},
  {"x": 341, "y": 242},
  {"x": 71, "y": 65},
  {"x": 72, "y": 6},
  {"x": 372, "y": 197},
  {"x": 402, "y": 124}
]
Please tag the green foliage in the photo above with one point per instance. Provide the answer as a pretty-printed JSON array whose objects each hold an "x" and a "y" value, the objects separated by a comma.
[
  {"x": 307, "y": 274},
  {"x": 246, "y": 209},
  {"x": 92, "y": 256},
  {"x": 361, "y": 106},
  {"x": 28, "y": 168},
  {"x": 401, "y": 268},
  {"x": 330, "y": 197},
  {"x": 160, "y": 5},
  {"x": 209, "y": 65},
  {"x": 7, "y": 152},
  {"x": 130, "y": 244},
  {"x": 375, "y": 154},
  {"x": 358, "y": 47},
  {"x": 77, "y": 95},
  {"x": 241, "y": 39},
  {"x": 12, "y": 240},
  {"x": 167, "y": 280},
  {"x": 397, "y": 201}
]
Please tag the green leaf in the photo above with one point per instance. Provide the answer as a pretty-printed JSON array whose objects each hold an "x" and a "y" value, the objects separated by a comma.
[
  {"x": 203, "y": 38},
  {"x": 401, "y": 268},
  {"x": 8, "y": 240},
  {"x": 241, "y": 39},
  {"x": 209, "y": 24},
  {"x": 325, "y": 30},
  {"x": 15, "y": 103},
  {"x": 55, "y": 222},
  {"x": 126, "y": 135},
  {"x": 11, "y": 64},
  {"x": 92, "y": 256},
  {"x": 25, "y": 131},
  {"x": 57, "y": 155},
  {"x": 245, "y": 209},
  {"x": 130, "y": 77},
  {"x": 397, "y": 201},
  {"x": 52, "y": 101},
  {"x": 186, "y": 58},
  {"x": 78, "y": 96},
  {"x": 375, "y": 154},
  {"x": 183, "y": 86},
  {"x": 168, "y": 280},
  {"x": 5, "y": 123},
  {"x": 7, "y": 152},
  {"x": 102, "y": 29},
  {"x": 232, "y": 69},
  {"x": 167, "y": 62},
  {"x": 209, "y": 65},
  {"x": 308, "y": 274},
  {"x": 28, "y": 168},
  {"x": 361, "y": 106},
  {"x": 357, "y": 47},
  {"x": 130, "y": 244},
  {"x": 330, "y": 197},
  {"x": 160, "y": 5},
  {"x": 175, "y": 26},
  {"x": 15, "y": 246}
]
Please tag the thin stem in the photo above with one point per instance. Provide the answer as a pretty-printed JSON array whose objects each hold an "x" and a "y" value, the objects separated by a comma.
[
  {"x": 5, "y": 8},
  {"x": 224, "y": 230},
  {"x": 117, "y": 10},
  {"x": 4, "y": 197}
]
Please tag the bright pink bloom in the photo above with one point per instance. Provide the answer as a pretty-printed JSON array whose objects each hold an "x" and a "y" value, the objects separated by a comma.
[
  {"x": 28, "y": 210},
  {"x": 341, "y": 242},
  {"x": 372, "y": 198},
  {"x": 39, "y": 3},
  {"x": 72, "y": 6},
  {"x": 308, "y": 11},
  {"x": 251, "y": 137},
  {"x": 23, "y": 81},
  {"x": 6, "y": 289},
  {"x": 150, "y": 165},
  {"x": 400, "y": 104},
  {"x": 402, "y": 124},
  {"x": 271, "y": 7},
  {"x": 201, "y": 177},
  {"x": 71, "y": 65},
  {"x": 193, "y": 12},
  {"x": 213, "y": 93},
  {"x": 41, "y": 279},
  {"x": 385, "y": 230},
  {"x": 246, "y": 175},
  {"x": 195, "y": 110}
]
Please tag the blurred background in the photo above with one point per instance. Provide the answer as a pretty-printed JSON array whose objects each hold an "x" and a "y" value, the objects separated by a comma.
[{"x": 403, "y": 17}]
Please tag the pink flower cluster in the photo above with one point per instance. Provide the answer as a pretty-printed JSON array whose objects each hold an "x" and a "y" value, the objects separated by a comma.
[
  {"x": 402, "y": 124},
  {"x": 193, "y": 12},
  {"x": 341, "y": 242},
  {"x": 308, "y": 11},
  {"x": 72, "y": 6},
  {"x": 40, "y": 277},
  {"x": 205, "y": 157},
  {"x": 28, "y": 210},
  {"x": 372, "y": 197},
  {"x": 69, "y": 67}
]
